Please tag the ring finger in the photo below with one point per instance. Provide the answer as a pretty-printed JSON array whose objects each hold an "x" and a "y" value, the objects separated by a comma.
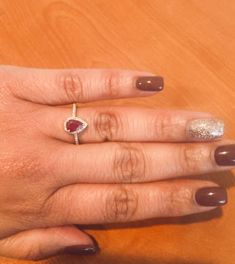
[{"x": 121, "y": 123}]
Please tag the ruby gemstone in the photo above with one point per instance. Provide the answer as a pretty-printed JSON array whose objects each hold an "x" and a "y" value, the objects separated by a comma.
[{"x": 73, "y": 125}]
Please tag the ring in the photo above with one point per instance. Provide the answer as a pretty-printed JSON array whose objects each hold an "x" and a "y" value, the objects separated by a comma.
[{"x": 74, "y": 125}]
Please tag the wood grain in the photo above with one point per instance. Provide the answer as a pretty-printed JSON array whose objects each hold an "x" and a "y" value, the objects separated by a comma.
[{"x": 192, "y": 44}]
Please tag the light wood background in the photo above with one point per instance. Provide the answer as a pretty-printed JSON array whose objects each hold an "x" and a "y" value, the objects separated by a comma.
[{"x": 189, "y": 42}]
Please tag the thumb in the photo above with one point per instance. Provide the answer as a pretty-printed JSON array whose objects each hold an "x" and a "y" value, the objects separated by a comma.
[{"x": 42, "y": 243}]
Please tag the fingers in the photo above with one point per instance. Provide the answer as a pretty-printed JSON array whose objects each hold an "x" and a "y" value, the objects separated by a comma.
[
  {"x": 110, "y": 203},
  {"x": 113, "y": 162},
  {"x": 133, "y": 124},
  {"x": 43, "y": 243},
  {"x": 64, "y": 86}
]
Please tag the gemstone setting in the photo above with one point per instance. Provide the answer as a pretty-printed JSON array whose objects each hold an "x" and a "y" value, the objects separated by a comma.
[{"x": 74, "y": 125}]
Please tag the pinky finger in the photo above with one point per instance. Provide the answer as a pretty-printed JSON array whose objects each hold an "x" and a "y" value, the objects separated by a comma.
[
  {"x": 42, "y": 243},
  {"x": 110, "y": 203}
]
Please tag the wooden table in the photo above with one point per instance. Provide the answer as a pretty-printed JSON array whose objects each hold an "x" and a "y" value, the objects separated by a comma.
[{"x": 192, "y": 44}]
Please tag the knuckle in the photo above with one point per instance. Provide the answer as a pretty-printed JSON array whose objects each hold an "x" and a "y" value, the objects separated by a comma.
[
  {"x": 28, "y": 173},
  {"x": 191, "y": 158},
  {"x": 7, "y": 83},
  {"x": 29, "y": 207},
  {"x": 165, "y": 126},
  {"x": 121, "y": 204},
  {"x": 72, "y": 85},
  {"x": 32, "y": 252},
  {"x": 129, "y": 163},
  {"x": 112, "y": 84},
  {"x": 22, "y": 167},
  {"x": 107, "y": 125},
  {"x": 2, "y": 78},
  {"x": 176, "y": 201},
  {"x": 28, "y": 251}
]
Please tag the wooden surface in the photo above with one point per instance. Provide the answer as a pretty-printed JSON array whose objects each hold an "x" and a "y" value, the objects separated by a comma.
[{"x": 192, "y": 44}]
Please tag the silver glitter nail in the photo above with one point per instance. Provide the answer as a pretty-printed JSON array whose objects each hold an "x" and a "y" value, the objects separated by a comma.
[{"x": 205, "y": 129}]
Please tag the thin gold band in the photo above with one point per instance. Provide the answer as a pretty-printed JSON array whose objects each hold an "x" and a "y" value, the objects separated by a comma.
[{"x": 74, "y": 114}]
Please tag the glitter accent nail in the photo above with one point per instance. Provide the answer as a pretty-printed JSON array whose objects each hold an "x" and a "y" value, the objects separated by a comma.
[{"x": 205, "y": 129}]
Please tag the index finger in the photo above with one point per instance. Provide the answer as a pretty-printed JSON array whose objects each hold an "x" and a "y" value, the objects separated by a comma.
[{"x": 65, "y": 86}]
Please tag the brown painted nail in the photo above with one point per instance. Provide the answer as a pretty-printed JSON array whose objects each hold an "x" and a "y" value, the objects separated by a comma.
[
  {"x": 211, "y": 196},
  {"x": 225, "y": 155},
  {"x": 150, "y": 83},
  {"x": 81, "y": 250}
]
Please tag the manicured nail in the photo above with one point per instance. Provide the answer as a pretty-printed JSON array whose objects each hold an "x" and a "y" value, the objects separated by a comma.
[
  {"x": 81, "y": 250},
  {"x": 225, "y": 155},
  {"x": 211, "y": 196},
  {"x": 150, "y": 83},
  {"x": 205, "y": 129}
]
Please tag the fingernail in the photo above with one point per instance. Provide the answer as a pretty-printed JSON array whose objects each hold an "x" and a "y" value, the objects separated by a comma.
[
  {"x": 81, "y": 250},
  {"x": 225, "y": 155},
  {"x": 150, "y": 83},
  {"x": 205, "y": 129},
  {"x": 211, "y": 196}
]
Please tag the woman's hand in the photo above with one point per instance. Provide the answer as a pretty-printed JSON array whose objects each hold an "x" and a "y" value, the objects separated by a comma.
[{"x": 48, "y": 184}]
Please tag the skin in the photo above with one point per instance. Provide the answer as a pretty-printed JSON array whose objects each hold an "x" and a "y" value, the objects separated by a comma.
[{"x": 48, "y": 184}]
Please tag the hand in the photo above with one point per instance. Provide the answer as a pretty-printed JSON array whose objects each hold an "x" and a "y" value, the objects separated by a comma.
[{"x": 48, "y": 184}]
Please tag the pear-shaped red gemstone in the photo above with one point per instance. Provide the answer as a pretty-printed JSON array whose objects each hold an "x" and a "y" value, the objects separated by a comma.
[{"x": 73, "y": 125}]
